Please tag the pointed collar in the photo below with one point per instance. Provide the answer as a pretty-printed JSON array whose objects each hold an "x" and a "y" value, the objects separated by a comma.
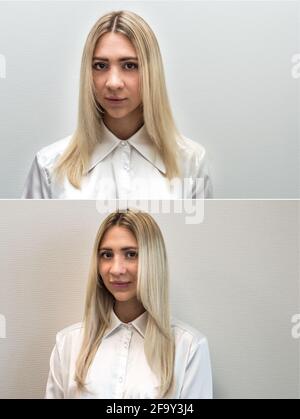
[
  {"x": 140, "y": 141},
  {"x": 140, "y": 324}
]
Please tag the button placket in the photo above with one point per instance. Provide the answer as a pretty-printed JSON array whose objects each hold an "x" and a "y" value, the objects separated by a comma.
[
  {"x": 126, "y": 156},
  {"x": 123, "y": 363},
  {"x": 125, "y": 176}
]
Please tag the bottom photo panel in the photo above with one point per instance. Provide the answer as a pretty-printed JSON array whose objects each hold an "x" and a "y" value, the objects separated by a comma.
[{"x": 149, "y": 300}]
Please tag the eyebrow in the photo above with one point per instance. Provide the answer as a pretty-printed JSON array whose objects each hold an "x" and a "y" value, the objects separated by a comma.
[
  {"x": 121, "y": 59},
  {"x": 122, "y": 248}
]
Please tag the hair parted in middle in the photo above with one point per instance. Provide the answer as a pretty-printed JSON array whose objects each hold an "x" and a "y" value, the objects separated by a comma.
[
  {"x": 152, "y": 292},
  {"x": 157, "y": 114}
]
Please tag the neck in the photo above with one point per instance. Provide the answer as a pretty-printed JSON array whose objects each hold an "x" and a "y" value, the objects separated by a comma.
[
  {"x": 124, "y": 128},
  {"x": 127, "y": 311}
]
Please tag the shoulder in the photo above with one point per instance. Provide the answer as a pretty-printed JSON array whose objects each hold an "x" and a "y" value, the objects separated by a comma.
[
  {"x": 48, "y": 155},
  {"x": 69, "y": 335},
  {"x": 188, "y": 334},
  {"x": 191, "y": 148},
  {"x": 192, "y": 158}
]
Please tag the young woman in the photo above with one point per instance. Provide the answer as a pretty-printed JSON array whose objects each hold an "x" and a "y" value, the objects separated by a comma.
[
  {"x": 126, "y": 145},
  {"x": 127, "y": 346}
]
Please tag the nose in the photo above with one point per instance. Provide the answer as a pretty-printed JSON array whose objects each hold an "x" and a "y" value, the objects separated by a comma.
[
  {"x": 114, "y": 80},
  {"x": 118, "y": 266}
]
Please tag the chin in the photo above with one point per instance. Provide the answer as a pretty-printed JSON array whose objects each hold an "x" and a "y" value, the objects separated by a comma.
[
  {"x": 117, "y": 114},
  {"x": 122, "y": 297}
]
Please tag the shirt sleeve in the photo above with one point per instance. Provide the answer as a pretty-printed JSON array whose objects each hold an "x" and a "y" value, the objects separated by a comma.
[
  {"x": 197, "y": 383},
  {"x": 54, "y": 388},
  {"x": 37, "y": 185},
  {"x": 208, "y": 189},
  {"x": 203, "y": 184}
]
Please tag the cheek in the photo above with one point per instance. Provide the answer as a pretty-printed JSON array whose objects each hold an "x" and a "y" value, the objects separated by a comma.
[
  {"x": 105, "y": 278},
  {"x": 98, "y": 83},
  {"x": 102, "y": 270},
  {"x": 133, "y": 84},
  {"x": 134, "y": 271}
]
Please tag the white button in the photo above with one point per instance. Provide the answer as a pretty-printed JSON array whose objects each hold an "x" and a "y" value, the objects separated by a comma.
[
  {"x": 124, "y": 143},
  {"x": 126, "y": 167},
  {"x": 120, "y": 379}
]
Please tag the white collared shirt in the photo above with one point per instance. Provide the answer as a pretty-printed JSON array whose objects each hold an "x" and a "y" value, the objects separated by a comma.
[
  {"x": 120, "y": 369},
  {"x": 122, "y": 169}
]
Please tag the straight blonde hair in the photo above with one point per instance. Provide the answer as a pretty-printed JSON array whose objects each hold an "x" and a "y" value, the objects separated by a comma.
[
  {"x": 158, "y": 119},
  {"x": 152, "y": 292}
]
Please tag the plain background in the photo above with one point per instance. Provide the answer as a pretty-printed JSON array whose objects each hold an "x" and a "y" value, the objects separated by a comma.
[
  {"x": 228, "y": 69},
  {"x": 235, "y": 277}
]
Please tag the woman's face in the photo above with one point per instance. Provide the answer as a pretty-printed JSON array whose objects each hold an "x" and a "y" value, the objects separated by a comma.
[
  {"x": 118, "y": 263},
  {"x": 116, "y": 77}
]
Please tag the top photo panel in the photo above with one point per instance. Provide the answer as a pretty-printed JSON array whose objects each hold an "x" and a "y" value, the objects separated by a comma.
[{"x": 150, "y": 100}]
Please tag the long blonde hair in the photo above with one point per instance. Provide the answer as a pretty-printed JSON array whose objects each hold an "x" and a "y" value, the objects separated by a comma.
[
  {"x": 152, "y": 292},
  {"x": 158, "y": 119}
]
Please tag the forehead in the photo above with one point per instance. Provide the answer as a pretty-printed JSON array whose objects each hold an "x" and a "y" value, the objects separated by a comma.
[
  {"x": 112, "y": 45},
  {"x": 118, "y": 236}
]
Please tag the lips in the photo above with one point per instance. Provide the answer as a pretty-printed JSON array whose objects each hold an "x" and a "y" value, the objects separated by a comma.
[
  {"x": 115, "y": 99},
  {"x": 119, "y": 284}
]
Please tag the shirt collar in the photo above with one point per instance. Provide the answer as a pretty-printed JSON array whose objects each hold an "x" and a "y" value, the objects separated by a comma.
[
  {"x": 140, "y": 141},
  {"x": 140, "y": 324}
]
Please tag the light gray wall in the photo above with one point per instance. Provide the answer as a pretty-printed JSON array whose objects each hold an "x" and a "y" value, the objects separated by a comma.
[
  {"x": 228, "y": 67},
  {"x": 235, "y": 277}
]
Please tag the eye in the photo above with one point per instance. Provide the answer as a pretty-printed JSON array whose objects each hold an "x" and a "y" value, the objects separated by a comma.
[
  {"x": 98, "y": 65},
  {"x": 130, "y": 66},
  {"x": 131, "y": 254},
  {"x": 105, "y": 254}
]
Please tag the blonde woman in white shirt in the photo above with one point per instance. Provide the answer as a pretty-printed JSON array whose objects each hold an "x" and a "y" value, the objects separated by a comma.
[
  {"x": 126, "y": 145},
  {"x": 127, "y": 345}
]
